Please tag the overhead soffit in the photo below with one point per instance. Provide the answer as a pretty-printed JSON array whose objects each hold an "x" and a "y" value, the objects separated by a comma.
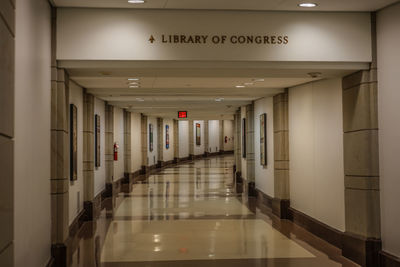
[{"x": 257, "y": 5}]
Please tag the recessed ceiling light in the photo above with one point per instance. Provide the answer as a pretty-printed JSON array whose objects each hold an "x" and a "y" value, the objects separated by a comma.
[
  {"x": 134, "y": 83},
  {"x": 140, "y": 99},
  {"x": 248, "y": 83},
  {"x": 258, "y": 80},
  {"x": 240, "y": 86},
  {"x": 307, "y": 5},
  {"x": 136, "y": 1},
  {"x": 133, "y": 79},
  {"x": 219, "y": 99},
  {"x": 133, "y": 86}
]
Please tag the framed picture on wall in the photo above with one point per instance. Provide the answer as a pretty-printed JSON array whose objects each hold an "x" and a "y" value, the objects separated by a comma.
[
  {"x": 73, "y": 162},
  {"x": 97, "y": 140},
  {"x": 198, "y": 134},
  {"x": 244, "y": 138},
  {"x": 167, "y": 136},
  {"x": 263, "y": 139},
  {"x": 151, "y": 137}
]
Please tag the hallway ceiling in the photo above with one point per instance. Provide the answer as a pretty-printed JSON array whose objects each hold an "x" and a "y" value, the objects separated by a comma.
[
  {"x": 260, "y": 5},
  {"x": 164, "y": 91}
]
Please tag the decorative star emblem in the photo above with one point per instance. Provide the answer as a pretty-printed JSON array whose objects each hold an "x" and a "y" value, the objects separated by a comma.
[{"x": 152, "y": 39}]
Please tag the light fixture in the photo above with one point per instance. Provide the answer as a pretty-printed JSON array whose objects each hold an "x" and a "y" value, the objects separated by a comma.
[
  {"x": 219, "y": 99},
  {"x": 307, "y": 5},
  {"x": 258, "y": 80},
  {"x": 140, "y": 99},
  {"x": 248, "y": 83},
  {"x": 240, "y": 86},
  {"x": 133, "y": 86},
  {"x": 133, "y": 83},
  {"x": 133, "y": 79},
  {"x": 136, "y": 1}
]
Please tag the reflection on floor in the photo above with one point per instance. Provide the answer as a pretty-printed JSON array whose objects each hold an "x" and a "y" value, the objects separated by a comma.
[{"x": 190, "y": 215}]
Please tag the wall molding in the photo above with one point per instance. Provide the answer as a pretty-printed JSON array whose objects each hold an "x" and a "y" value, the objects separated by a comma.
[{"x": 388, "y": 260}]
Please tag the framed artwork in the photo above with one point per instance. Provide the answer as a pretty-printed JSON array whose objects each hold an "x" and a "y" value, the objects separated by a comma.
[
  {"x": 73, "y": 160},
  {"x": 244, "y": 138},
  {"x": 263, "y": 139},
  {"x": 167, "y": 136},
  {"x": 151, "y": 137},
  {"x": 97, "y": 140},
  {"x": 198, "y": 134}
]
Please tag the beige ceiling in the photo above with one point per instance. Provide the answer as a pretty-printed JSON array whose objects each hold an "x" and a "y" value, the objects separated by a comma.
[
  {"x": 281, "y": 5},
  {"x": 166, "y": 89}
]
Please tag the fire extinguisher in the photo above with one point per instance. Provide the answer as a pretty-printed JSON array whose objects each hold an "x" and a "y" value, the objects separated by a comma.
[
  {"x": 116, "y": 151},
  {"x": 226, "y": 139}
]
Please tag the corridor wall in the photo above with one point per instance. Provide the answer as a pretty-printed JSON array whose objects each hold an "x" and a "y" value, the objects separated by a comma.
[
  {"x": 183, "y": 139},
  {"x": 152, "y": 155},
  {"x": 136, "y": 142},
  {"x": 213, "y": 136},
  {"x": 31, "y": 128},
  {"x": 76, "y": 187},
  {"x": 316, "y": 151},
  {"x": 100, "y": 172},
  {"x": 198, "y": 150},
  {"x": 388, "y": 39},
  {"x": 228, "y": 132},
  {"x": 168, "y": 153},
  {"x": 119, "y": 165},
  {"x": 264, "y": 175}
]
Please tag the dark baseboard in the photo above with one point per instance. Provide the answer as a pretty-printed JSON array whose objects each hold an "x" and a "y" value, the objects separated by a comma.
[
  {"x": 191, "y": 157},
  {"x": 77, "y": 223},
  {"x": 264, "y": 199},
  {"x": 89, "y": 211},
  {"x": 280, "y": 208},
  {"x": 364, "y": 251},
  {"x": 184, "y": 159},
  {"x": 226, "y": 152},
  {"x": 316, "y": 227},
  {"x": 388, "y": 260},
  {"x": 108, "y": 191},
  {"x": 252, "y": 192},
  {"x": 59, "y": 255},
  {"x": 51, "y": 262},
  {"x": 239, "y": 178}
]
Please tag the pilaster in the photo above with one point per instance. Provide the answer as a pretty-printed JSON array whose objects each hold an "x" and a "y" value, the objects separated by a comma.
[
  {"x": 109, "y": 148},
  {"x": 176, "y": 141},
  {"x": 127, "y": 143},
  {"x": 191, "y": 139},
  {"x": 281, "y": 155},
  {"x": 145, "y": 159},
  {"x": 206, "y": 142},
  {"x": 361, "y": 241},
  {"x": 250, "y": 163},
  {"x": 160, "y": 141},
  {"x": 221, "y": 136}
]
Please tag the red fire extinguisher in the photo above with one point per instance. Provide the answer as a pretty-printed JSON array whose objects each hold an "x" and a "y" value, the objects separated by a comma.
[{"x": 116, "y": 151}]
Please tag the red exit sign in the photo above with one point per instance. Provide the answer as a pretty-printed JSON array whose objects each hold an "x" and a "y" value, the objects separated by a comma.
[{"x": 182, "y": 114}]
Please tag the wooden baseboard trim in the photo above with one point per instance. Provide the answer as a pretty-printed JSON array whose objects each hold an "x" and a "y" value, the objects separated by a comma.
[
  {"x": 388, "y": 260},
  {"x": 364, "y": 251},
  {"x": 316, "y": 227}
]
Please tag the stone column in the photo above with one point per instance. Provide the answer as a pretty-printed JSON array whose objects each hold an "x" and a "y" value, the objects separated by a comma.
[
  {"x": 7, "y": 70},
  {"x": 206, "y": 132},
  {"x": 191, "y": 140},
  {"x": 88, "y": 154},
  {"x": 127, "y": 147},
  {"x": 59, "y": 164},
  {"x": 281, "y": 201},
  {"x": 176, "y": 141},
  {"x": 160, "y": 142},
  {"x": 145, "y": 159},
  {"x": 250, "y": 163},
  {"x": 361, "y": 241},
  {"x": 221, "y": 136},
  {"x": 109, "y": 148},
  {"x": 238, "y": 149}
]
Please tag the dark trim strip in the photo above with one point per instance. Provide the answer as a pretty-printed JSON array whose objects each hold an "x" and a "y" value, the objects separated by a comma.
[{"x": 388, "y": 260}]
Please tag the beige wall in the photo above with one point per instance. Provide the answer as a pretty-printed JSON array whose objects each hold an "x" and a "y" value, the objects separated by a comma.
[
  {"x": 264, "y": 175},
  {"x": 168, "y": 153},
  {"x": 136, "y": 142},
  {"x": 183, "y": 139},
  {"x": 316, "y": 151},
  {"x": 213, "y": 136},
  {"x": 228, "y": 131},
  {"x": 152, "y": 155},
  {"x": 388, "y": 25},
  {"x": 76, "y": 187},
  {"x": 198, "y": 150},
  {"x": 100, "y": 172},
  {"x": 119, "y": 167},
  {"x": 32, "y": 133}
]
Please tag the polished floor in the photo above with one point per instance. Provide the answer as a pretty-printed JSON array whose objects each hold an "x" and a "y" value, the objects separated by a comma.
[{"x": 190, "y": 215}]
